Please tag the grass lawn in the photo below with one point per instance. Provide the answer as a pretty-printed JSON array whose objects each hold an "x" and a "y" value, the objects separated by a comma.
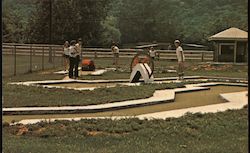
[
  {"x": 23, "y": 64},
  {"x": 192, "y": 67},
  {"x": 15, "y": 96},
  {"x": 224, "y": 132}
]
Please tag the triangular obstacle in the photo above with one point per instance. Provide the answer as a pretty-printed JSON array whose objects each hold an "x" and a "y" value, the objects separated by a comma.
[{"x": 141, "y": 70}]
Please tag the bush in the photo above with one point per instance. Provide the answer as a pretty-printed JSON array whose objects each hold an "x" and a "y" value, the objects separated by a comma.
[{"x": 5, "y": 124}]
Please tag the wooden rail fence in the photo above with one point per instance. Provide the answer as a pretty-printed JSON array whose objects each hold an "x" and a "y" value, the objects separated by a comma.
[{"x": 57, "y": 50}]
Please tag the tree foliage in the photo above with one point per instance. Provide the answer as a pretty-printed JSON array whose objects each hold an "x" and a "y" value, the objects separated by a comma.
[
  {"x": 71, "y": 19},
  {"x": 189, "y": 20},
  {"x": 98, "y": 22},
  {"x": 15, "y": 20}
]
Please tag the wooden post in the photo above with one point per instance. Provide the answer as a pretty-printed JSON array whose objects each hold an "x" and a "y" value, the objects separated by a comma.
[
  {"x": 81, "y": 53},
  {"x": 12, "y": 51},
  {"x": 95, "y": 54},
  {"x": 50, "y": 30},
  {"x": 62, "y": 61},
  {"x": 50, "y": 54},
  {"x": 34, "y": 52},
  {"x": 246, "y": 55},
  {"x": 216, "y": 52},
  {"x": 30, "y": 58},
  {"x": 219, "y": 52},
  {"x": 54, "y": 54},
  {"x": 202, "y": 56},
  {"x": 235, "y": 51},
  {"x": 14, "y": 60},
  {"x": 43, "y": 59}
]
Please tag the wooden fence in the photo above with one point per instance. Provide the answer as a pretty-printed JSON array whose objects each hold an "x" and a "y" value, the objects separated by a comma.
[
  {"x": 57, "y": 50},
  {"x": 23, "y": 58}
]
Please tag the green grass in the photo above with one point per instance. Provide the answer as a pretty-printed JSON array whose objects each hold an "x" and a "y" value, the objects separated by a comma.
[
  {"x": 18, "y": 95},
  {"x": 192, "y": 69},
  {"x": 224, "y": 132},
  {"x": 15, "y": 96},
  {"x": 220, "y": 132},
  {"x": 23, "y": 64}
]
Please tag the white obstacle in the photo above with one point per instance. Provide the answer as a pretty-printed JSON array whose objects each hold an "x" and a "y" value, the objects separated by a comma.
[{"x": 141, "y": 70}]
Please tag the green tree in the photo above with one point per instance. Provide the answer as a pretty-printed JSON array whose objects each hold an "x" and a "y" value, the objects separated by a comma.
[
  {"x": 15, "y": 20},
  {"x": 110, "y": 32},
  {"x": 71, "y": 19}
]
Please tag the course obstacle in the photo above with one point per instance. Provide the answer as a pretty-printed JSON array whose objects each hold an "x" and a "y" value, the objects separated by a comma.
[
  {"x": 88, "y": 65},
  {"x": 141, "y": 70}
]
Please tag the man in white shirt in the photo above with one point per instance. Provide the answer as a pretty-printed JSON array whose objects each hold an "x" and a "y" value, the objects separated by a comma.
[
  {"x": 74, "y": 60},
  {"x": 79, "y": 46},
  {"x": 180, "y": 58}
]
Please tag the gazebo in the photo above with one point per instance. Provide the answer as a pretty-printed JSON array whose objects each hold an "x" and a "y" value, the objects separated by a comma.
[{"x": 231, "y": 45}]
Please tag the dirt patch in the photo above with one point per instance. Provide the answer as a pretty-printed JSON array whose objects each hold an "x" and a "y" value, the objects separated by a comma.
[
  {"x": 96, "y": 133},
  {"x": 39, "y": 131},
  {"x": 22, "y": 130},
  {"x": 45, "y": 72}
]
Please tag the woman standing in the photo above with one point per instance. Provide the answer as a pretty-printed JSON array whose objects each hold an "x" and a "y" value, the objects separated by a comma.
[{"x": 66, "y": 55}]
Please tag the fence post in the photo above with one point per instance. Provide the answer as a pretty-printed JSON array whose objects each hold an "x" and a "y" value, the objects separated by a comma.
[
  {"x": 95, "y": 54},
  {"x": 50, "y": 54},
  {"x": 202, "y": 56},
  {"x": 43, "y": 59},
  {"x": 54, "y": 54},
  {"x": 14, "y": 60},
  {"x": 34, "y": 52},
  {"x": 62, "y": 59},
  {"x": 30, "y": 59},
  {"x": 13, "y": 50},
  {"x": 81, "y": 53}
]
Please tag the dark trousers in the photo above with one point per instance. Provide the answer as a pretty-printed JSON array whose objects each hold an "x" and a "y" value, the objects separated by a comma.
[{"x": 73, "y": 66}]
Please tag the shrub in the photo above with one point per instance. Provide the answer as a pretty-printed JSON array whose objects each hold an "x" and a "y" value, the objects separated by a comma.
[{"x": 5, "y": 124}]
